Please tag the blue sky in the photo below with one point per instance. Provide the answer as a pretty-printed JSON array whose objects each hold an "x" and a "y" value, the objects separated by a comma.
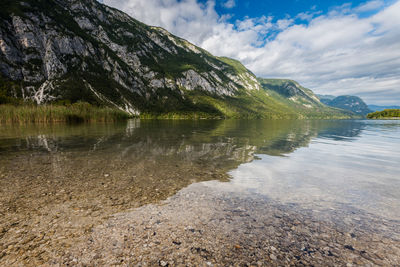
[
  {"x": 331, "y": 47},
  {"x": 278, "y": 9}
]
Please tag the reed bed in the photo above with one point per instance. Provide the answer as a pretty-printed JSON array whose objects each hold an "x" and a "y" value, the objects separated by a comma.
[{"x": 75, "y": 113}]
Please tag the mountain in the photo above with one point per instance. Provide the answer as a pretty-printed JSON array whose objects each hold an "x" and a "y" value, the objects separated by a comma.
[
  {"x": 57, "y": 50},
  {"x": 347, "y": 102},
  {"x": 298, "y": 99},
  {"x": 381, "y": 108},
  {"x": 293, "y": 91}
]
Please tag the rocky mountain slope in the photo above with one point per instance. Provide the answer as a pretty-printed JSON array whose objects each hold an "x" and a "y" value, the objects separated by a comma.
[
  {"x": 298, "y": 99},
  {"x": 52, "y": 50},
  {"x": 347, "y": 102},
  {"x": 292, "y": 91}
]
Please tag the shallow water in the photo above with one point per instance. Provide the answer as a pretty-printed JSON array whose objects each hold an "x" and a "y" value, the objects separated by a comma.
[{"x": 201, "y": 192}]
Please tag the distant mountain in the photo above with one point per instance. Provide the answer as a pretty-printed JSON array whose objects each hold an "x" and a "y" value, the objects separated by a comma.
[
  {"x": 381, "y": 108},
  {"x": 52, "y": 50},
  {"x": 292, "y": 90},
  {"x": 298, "y": 99},
  {"x": 347, "y": 102}
]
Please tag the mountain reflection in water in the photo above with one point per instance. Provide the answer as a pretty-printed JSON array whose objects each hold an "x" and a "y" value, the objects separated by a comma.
[{"x": 144, "y": 161}]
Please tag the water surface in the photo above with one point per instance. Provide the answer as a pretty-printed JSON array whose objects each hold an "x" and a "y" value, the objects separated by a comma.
[{"x": 68, "y": 192}]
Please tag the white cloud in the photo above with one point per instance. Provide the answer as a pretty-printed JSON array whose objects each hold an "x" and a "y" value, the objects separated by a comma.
[
  {"x": 370, "y": 6},
  {"x": 229, "y": 4},
  {"x": 186, "y": 18},
  {"x": 334, "y": 53}
]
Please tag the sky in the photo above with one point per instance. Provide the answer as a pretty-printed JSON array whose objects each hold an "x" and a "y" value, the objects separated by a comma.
[{"x": 332, "y": 47}]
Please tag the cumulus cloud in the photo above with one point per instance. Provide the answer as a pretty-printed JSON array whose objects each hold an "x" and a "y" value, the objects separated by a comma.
[
  {"x": 370, "y": 6},
  {"x": 186, "y": 18},
  {"x": 229, "y": 4},
  {"x": 336, "y": 53}
]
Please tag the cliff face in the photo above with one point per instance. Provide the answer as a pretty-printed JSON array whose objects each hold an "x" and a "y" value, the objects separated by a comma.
[{"x": 85, "y": 50}]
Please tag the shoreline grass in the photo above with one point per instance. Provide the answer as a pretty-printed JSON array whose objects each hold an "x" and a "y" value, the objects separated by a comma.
[
  {"x": 75, "y": 113},
  {"x": 82, "y": 112}
]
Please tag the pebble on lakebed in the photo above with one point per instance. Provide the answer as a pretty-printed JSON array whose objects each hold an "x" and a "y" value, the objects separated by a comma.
[{"x": 201, "y": 226}]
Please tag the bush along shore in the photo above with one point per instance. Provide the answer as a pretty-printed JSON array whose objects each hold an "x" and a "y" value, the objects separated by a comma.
[
  {"x": 387, "y": 114},
  {"x": 74, "y": 113}
]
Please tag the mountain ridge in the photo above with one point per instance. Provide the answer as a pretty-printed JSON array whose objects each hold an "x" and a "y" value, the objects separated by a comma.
[{"x": 87, "y": 51}]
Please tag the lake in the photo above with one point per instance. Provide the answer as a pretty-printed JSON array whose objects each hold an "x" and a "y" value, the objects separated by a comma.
[{"x": 201, "y": 193}]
